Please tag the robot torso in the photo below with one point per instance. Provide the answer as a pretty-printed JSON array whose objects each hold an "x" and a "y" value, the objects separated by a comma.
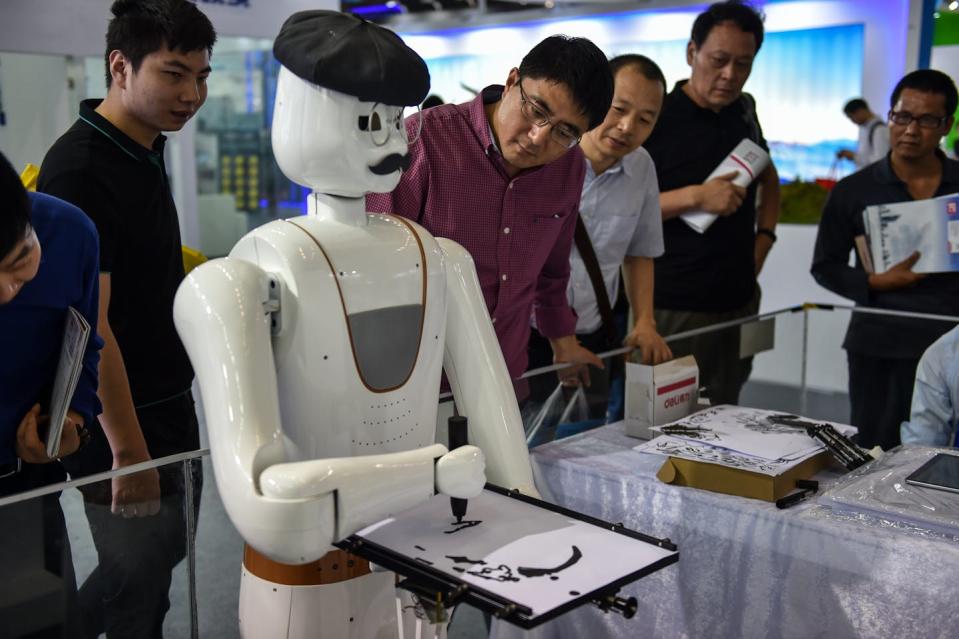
[{"x": 358, "y": 339}]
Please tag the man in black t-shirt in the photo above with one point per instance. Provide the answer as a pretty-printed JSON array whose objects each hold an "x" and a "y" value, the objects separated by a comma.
[
  {"x": 110, "y": 164},
  {"x": 707, "y": 278}
]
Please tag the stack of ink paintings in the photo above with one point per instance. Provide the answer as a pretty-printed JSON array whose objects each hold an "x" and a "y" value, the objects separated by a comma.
[
  {"x": 522, "y": 552},
  {"x": 762, "y": 441}
]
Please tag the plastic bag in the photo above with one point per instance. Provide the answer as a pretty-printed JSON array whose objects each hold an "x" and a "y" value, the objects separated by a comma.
[
  {"x": 560, "y": 416},
  {"x": 879, "y": 490}
]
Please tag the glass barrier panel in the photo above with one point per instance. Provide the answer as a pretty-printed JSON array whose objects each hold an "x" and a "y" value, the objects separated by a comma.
[
  {"x": 755, "y": 362},
  {"x": 827, "y": 376},
  {"x": 219, "y": 559},
  {"x": 38, "y": 591},
  {"x": 871, "y": 357},
  {"x": 771, "y": 362},
  {"x": 556, "y": 404},
  {"x": 80, "y": 558}
]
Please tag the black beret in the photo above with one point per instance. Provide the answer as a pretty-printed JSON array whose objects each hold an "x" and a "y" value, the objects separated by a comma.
[{"x": 346, "y": 53}]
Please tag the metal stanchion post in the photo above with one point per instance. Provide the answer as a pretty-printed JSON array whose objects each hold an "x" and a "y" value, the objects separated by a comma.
[
  {"x": 805, "y": 353},
  {"x": 191, "y": 545}
]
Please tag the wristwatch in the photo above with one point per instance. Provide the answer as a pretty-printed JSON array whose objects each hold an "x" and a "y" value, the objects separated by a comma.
[{"x": 768, "y": 233}]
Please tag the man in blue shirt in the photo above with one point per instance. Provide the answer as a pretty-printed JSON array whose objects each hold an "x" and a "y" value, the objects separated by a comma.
[
  {"x": 935, "y": 397},
  {"x": 48, "y": 263}
]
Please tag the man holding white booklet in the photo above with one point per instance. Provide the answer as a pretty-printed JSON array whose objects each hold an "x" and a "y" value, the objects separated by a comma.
[
  {"x": 883, "y": 351},
  {"x": 36, "y": 297},
  {"x": 711, "y": 158}
]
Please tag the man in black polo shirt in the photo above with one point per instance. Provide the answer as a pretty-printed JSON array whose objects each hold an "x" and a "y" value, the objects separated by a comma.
[
  {"x": 883, "y": 352},
  {"x": 706, "y": 278},
  {"x": 110, "y": 164}
]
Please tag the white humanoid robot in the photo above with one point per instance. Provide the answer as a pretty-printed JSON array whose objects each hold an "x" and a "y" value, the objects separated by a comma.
[{"x": 320, "y": 341}]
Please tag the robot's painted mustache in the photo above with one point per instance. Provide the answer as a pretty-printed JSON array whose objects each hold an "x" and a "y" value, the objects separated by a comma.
[{"x": 391, "y": 163}]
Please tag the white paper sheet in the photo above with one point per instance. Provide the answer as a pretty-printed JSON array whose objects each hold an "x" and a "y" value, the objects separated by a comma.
[
  {"x": 527, "y": 554},
  {"x": 748, "y": 431}
]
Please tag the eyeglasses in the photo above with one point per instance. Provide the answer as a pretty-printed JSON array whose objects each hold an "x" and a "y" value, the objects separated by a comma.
[
  {"x": 563, "y": 134},
  {"x": 904, "y": 118},
  {"x": 384, "y": 120}
]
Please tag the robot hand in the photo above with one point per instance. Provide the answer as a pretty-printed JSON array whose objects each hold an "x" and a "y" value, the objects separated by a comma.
[{"x": 461, "y": 472}]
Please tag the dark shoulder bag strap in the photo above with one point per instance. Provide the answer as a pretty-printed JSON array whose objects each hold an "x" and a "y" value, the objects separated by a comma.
[
  {"x": 749, "y": 115},
  {"x": 586, "y": 251},
  {"x": 872, "y": 131}
]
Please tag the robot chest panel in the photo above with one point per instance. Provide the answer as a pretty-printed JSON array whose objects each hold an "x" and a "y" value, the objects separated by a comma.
[
  {"x": 382, "y": 281},
  {"x": 380, "y": 265},
  {"x": 360, "y": 352}
]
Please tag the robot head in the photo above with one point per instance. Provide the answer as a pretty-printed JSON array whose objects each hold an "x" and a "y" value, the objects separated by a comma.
[{"x": 338, "y": 118}]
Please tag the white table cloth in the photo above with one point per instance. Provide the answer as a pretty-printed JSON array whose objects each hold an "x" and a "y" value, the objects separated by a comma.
[{"x": 746, "y": 569}]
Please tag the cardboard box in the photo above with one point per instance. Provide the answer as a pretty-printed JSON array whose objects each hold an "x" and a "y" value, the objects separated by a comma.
[
  {"x": 735, "y": 481},
  {"x": 657, "y": 395}
]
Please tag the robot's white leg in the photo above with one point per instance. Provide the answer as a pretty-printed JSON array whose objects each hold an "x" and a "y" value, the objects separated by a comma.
[{"x": 355, "y": 608}]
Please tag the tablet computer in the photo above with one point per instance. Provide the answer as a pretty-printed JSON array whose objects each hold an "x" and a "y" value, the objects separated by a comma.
[{"x": 941, "y": 472}]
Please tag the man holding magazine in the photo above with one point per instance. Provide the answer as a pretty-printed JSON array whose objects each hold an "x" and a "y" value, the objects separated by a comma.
[
  {"x": 709, "y": 276},
  {"x": 883, "y": 351},
  {"x": 35, "y": 297}
]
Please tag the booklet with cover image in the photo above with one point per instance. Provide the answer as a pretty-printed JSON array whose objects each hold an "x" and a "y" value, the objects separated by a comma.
[
  {"x": 895, "y": 231},
  {"x": 747, "y": 161}
]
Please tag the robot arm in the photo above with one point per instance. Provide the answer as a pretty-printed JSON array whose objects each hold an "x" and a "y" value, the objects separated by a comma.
[
  {"x": 369, "y": 488},
  {"x": 290, "y": 511},
  {"x": 473, "y": 360},
  {"x": 222, "y": 314}
]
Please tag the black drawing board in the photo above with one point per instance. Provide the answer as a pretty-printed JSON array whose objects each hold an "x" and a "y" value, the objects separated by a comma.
[{"x": 519, "y": 558}]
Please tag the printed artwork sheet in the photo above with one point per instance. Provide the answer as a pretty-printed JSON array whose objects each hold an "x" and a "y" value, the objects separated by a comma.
[
  {"x": 931, "y": 227},
  {"x": 749, "y": 431},
  {"x": 747, "y": 161},
  {"x": 527, "y": 554},
  {"x": 685, "y": 449}
]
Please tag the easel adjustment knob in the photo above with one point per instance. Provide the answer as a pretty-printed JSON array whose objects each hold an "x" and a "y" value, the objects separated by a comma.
[{"x": 625, "y": 607}]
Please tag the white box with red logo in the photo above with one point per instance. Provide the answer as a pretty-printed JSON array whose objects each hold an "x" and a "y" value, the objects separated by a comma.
[{"x": 657, "y": 395}]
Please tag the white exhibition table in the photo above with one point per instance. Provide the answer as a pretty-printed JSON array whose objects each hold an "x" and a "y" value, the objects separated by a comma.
[{"x": 746, "y": 569}]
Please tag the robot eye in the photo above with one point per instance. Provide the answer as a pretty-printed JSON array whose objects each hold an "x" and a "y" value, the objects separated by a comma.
[{"x": 370, "y": 122}]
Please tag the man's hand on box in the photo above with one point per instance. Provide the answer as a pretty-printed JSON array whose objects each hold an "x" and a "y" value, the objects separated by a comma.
[{"x": 653, "y": 348}]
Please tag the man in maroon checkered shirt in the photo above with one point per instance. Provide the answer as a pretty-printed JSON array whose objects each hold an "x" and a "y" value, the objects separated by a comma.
[{"x": 502, "y": 175}]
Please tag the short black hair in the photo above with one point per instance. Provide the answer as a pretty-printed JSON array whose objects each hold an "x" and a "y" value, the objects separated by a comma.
[
  {"x": 739, "y": 13},
  {"x": 140, "y": 27},
  {"x": 14, "y": 208},
  {"x": 431, "y": 101},
  {"x": 647, "y": 68},
  {"x": 581, "y": 66},
  {"x": 928, "y": 81},
  {"x": 856, "y": 104}
]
